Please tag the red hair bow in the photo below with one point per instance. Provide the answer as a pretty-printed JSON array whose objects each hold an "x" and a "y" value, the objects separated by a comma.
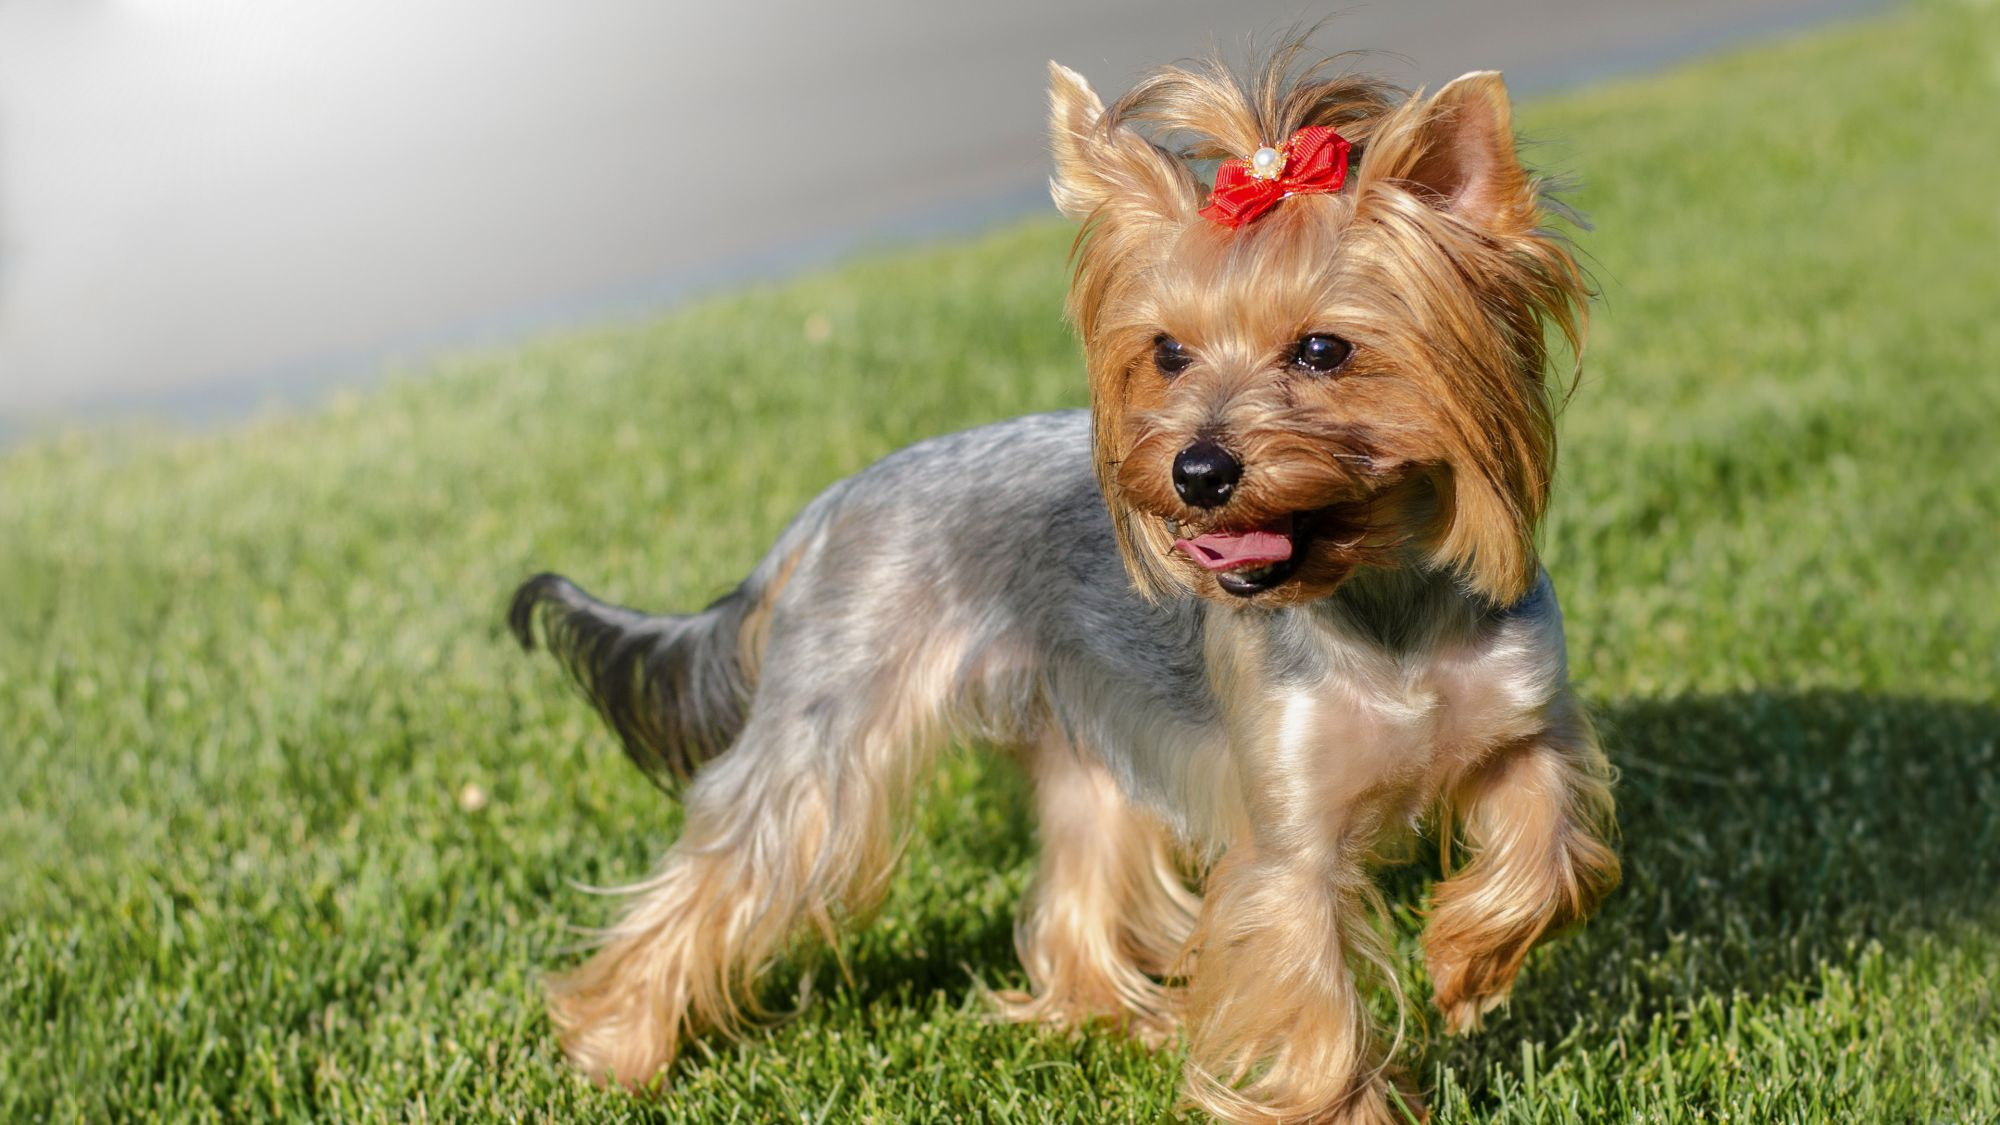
[{"x": 1313, "y": 161}]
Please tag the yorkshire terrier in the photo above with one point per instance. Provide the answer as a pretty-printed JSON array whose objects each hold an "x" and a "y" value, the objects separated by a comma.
[{"x": 1270, "y": 605}]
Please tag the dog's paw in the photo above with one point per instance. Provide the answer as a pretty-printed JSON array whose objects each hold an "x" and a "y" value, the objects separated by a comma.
[
  {"x": 1463, "y": 1013},
  {"x": 1153, "y": 1029},
  {"x": 1471, "y": 974}
]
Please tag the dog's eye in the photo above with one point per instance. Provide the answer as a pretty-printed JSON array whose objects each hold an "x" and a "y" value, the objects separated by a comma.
[
  {"x": 1169, "y": 356},
  {"x": 1322, "y": 354}
]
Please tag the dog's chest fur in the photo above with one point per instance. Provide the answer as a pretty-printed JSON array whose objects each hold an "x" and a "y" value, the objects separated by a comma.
[{"x": 1349, "y": 717}]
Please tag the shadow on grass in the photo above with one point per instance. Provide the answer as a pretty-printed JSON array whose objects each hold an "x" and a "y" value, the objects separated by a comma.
[{"x": 1765, "y": 834}]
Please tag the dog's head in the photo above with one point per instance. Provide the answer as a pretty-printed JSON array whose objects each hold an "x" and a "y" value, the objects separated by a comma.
[{"x": 1354, "y": 377}]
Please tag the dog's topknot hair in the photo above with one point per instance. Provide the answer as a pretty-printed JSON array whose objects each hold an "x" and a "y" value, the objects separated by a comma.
[{"x": 1204, "y": 110}]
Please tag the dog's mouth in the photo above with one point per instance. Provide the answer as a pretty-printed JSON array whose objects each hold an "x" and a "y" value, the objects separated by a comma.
[{"x": 1247, "y": 561}]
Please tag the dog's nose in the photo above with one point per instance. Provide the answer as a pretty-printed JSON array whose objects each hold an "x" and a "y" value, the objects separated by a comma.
[{"x": 1205, "y": 474}]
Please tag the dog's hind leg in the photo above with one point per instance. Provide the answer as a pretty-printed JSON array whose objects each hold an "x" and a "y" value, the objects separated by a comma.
[
  {"x": 1535, "y": 818},
  {"x": 790, "y": 830},
  {"x": 1108, "y": 911}
]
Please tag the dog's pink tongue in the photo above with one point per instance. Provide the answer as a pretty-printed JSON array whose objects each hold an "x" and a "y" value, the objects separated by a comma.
[{"x": 1223, "y": 551}]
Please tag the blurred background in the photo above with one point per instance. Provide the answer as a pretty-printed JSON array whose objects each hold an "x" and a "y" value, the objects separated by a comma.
[
  {"x": 290, "y": 829},
  {"x": 208, "y": 205}
]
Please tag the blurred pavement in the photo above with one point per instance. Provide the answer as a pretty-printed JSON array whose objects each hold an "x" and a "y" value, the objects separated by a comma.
[{"x": 205, "y": 204}]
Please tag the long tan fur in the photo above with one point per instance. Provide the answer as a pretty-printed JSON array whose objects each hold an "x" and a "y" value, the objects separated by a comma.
[
  {"x": 1109, "y": 912},
  {"x": 767, "y": 856}
]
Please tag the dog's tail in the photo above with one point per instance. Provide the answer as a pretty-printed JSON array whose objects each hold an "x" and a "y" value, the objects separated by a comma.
[{"x": 676, "y": 689}]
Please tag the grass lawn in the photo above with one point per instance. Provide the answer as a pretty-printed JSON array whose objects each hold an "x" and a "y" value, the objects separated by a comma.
[{"x": 289, "y": 828}]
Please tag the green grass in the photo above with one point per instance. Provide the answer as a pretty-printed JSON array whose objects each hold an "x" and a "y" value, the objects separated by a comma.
[{"x": 246, "y": 679}]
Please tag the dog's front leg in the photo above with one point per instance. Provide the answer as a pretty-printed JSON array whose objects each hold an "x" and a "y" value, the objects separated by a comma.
[
  {"x": 1277, "y": 1029},
  {"x": 1535, "y": 818}
]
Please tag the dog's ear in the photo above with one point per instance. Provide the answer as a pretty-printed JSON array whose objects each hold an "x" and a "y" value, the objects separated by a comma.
[
  {"x": 1103, "y": 168},
  {"x": 1490, "y": 540},
  {"x": 1465, "y": 160},
  {"x": 1453, "y": 155}
]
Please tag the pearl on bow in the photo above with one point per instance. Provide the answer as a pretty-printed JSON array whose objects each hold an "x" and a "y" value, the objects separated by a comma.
[{"x": 1266, "y": 163}]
